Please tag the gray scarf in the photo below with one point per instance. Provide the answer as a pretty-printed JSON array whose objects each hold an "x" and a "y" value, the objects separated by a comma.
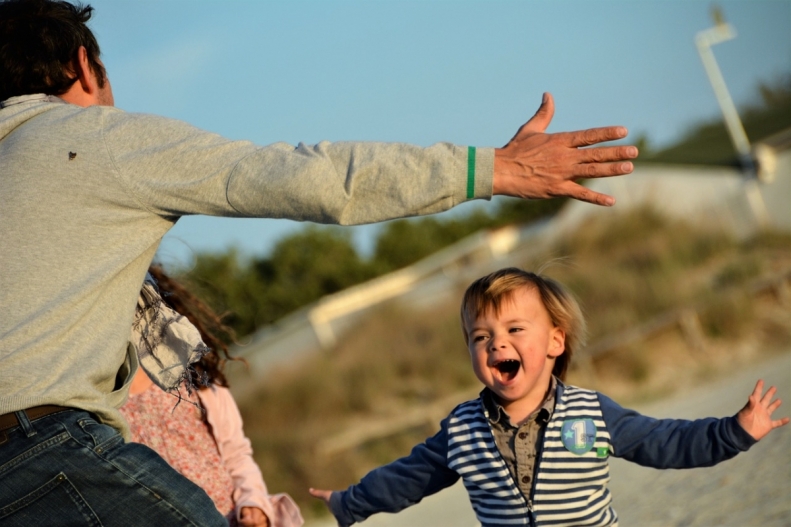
[{"x": 167, "y": 343}]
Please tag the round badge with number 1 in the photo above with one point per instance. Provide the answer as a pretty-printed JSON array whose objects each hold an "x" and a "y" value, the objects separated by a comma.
[{"x": 578, "y": 435}]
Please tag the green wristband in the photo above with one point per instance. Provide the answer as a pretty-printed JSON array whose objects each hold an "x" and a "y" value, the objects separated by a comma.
[{"x": 470, "y": 172}]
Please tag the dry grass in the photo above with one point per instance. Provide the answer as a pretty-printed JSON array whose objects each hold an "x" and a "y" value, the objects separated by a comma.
[
  {"x": 624, "y": 272},
  {"x": 391, "y": 361}
]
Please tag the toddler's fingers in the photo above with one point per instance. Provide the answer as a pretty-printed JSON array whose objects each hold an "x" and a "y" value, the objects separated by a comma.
[
  {"x": 768, "y": 396},
  {"x": 782, "y": 422},
  {"x": 321, "y": 494},
  {"x": 774, "y": 406}
]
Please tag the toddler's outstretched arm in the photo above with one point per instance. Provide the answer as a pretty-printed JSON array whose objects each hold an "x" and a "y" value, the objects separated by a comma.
[
  {"x": 756, "y": 416},
  {"x": 395, "y": 486}
]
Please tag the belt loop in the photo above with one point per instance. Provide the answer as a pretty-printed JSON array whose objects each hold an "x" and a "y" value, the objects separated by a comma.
[{"x": 25, "y": 423}]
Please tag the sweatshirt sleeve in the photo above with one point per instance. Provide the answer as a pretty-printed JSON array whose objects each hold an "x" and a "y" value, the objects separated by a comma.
[
  {"x": 672, "y": 443},
  {"x": 249, "y": 489},
  {"x": 175, "y": 169},
  {"x": 398, "y": 485}
]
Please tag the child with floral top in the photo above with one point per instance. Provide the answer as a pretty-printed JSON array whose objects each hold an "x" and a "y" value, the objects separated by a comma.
[{"x": 198, "y": 430}]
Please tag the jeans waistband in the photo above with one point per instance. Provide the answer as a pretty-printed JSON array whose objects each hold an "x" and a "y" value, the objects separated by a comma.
[{"x": 10, "y": 420}]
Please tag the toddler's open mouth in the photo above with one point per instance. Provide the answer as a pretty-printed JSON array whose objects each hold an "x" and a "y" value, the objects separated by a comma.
[{"x": 508, "y": 369}]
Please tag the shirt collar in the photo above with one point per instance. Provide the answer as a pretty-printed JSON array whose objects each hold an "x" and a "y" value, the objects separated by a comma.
[
  {"x": 35, "y": 97},
  {"x": 495, "y": 413}
]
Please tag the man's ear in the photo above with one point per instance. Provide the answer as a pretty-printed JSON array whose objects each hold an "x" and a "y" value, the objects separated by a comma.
[
  {"x": 557, "y": 343},
  {"x": 85, "y": 90},
  {"x": 85, "y": 74}
]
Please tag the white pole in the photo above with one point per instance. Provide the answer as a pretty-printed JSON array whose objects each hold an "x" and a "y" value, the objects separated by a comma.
[
  {"x": 722, "y": 32},
  {"x": 704, "y": 40}
]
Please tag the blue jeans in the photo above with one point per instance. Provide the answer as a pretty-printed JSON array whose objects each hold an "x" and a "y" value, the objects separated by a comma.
[{"x": 68, "y": 469}]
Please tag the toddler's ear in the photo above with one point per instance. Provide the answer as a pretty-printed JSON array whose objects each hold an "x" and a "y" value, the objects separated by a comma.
[{"x": 557, "y": 342}]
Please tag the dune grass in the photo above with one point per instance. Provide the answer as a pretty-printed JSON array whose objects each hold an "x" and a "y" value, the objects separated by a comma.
[{"x": 624, "y": 271}]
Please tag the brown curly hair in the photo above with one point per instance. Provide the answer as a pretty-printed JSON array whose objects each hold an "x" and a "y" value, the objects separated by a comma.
[{"x": 39, "y": 44}]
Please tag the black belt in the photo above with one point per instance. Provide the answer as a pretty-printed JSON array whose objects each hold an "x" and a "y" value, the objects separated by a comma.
[{"x": 10, "y": 420}]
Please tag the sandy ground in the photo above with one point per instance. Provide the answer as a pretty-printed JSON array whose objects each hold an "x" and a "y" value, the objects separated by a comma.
[
  {"x": 753, "y": 488},
  {"x": 750, "y": 490}
]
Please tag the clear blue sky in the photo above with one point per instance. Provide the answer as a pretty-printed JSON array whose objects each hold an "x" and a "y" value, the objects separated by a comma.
[{"x": 468, "y": 72}]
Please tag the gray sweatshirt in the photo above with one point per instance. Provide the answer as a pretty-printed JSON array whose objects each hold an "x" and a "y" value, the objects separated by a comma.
[{"x": 86, "y": 195}]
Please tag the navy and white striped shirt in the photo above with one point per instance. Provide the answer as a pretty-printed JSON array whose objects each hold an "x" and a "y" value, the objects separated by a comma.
[{"x": 570, "y": 487}]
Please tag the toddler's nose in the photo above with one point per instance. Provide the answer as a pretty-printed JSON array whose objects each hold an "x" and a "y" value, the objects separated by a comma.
[{"x": 496, "y": 343}]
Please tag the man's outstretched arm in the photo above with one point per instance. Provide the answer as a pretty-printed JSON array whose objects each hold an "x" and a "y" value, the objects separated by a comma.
[{"x": 538, "y": 165}]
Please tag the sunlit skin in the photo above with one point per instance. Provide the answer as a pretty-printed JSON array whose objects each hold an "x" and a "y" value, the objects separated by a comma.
[
  {"x": 521, "y": 332},
  {"x": 538, "y": 165},
  {"x": 756, "y": 416},
  {"x": 253, "y": 517}
]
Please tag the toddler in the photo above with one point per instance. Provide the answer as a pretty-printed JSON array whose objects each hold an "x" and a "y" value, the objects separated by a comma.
[{"x": 532, "y": 450}]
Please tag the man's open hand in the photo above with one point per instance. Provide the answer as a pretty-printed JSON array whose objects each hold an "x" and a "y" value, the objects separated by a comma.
[{"x": 538, "y": 165}]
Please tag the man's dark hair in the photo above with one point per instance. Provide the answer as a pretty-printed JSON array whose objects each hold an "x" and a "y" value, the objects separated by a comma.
[{"x": 39, "y": 44}]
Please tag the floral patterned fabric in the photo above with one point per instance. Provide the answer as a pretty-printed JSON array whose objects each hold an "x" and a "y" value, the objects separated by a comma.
[{"x": 178, "y": 432}]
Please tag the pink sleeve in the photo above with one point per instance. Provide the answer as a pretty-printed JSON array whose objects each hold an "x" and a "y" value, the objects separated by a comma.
[{"x": 237, "y": 455}]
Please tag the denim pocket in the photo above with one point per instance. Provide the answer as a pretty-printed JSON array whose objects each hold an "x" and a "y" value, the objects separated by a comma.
[
  {"x": 56, "y": 500},
  {"x": 104, "y": 437},
  {"x": 12, "y": 459}
]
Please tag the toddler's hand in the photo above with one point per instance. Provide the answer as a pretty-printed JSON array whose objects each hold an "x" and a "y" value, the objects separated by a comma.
[
  {"x": 323, "y": 495},
  {"x": 253, "y": 517},
  {"x": 756, "y": 416}
]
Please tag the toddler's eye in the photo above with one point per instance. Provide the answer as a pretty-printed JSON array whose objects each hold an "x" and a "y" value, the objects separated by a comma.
[
  {"x": 514, "y": 330},
  {"x": 478, "y": 338}
]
